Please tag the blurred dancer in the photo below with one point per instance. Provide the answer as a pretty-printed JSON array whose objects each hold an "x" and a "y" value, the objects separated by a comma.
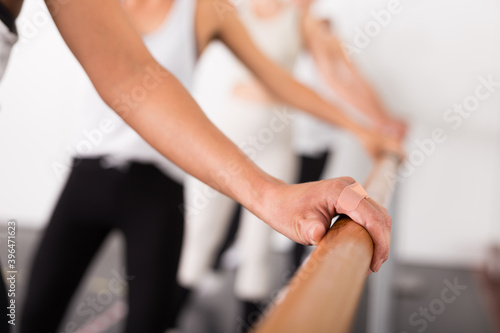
[
  {"x": 281, "y": 31},
  {"x": 123, "y": 184},
  {"x": 328, "y": 70},
  {"x": 247, "y": 111}
]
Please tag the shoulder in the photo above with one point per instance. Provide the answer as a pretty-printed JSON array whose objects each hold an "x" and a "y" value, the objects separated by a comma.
[
  {"x": 210, "y": 17},
  {"x": 215, "y": 9}
]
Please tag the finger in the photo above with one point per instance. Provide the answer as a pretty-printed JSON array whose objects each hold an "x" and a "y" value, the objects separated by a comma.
[
  {"x": 375, "y": 222},
  {"x": 376, "y": 205},
  {"x": 316, "y": 233},
  {"x": 312, "y": 230},
  {"x": 375, "y": 151},
  {"x": 388, "y": 220}
]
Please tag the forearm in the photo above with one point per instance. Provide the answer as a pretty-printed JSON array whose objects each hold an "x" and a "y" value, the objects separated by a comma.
[
  {"x": 153, "y": 102},
  {"x": 171, "y": 121},
  {"x": 278, "y": 81},
  {"x": 343, "y": 79},
  {"x": 337, "y": 70},
  {"x": 285, "y": 87},
  {"x": 356, "y": 95},
  {"x": 369, "y": 94}
]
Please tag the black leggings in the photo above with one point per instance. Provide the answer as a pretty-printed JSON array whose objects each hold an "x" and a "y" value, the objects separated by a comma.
[{"x": 142, "y": 203}]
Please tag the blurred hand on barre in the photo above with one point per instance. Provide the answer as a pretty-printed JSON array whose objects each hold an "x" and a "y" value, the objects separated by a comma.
[
  {"x": 378, "y": 142},
  {"x": 395, "y": 128}
]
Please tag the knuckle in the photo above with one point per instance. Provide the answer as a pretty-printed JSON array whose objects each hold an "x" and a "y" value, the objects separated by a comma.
[
  {"x": 380, "y": 217},
  {"x": 347, "y": 180},
  {"x": 388, "y": 221},
  {"x": 297, "y": 227},
  {"x": 376, "y": 217},
  {"x": 337, "y": 185}
]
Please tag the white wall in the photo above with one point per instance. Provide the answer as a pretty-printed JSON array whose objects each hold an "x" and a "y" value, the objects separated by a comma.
[
  {"x": 426, "y": 59},
  {"x": 38, "y": 97}
]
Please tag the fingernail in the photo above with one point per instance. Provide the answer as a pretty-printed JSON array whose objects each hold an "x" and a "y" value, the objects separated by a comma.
[
  {"x": 379, "y": 264},
  {"x": 311, "y": 236}
]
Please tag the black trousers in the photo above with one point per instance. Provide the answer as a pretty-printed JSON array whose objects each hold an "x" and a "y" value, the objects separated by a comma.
[{"x": 142, "y": 203}]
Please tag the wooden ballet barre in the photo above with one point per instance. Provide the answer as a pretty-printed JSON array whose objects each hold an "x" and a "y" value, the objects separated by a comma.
[{"x": 323, "y": 296}]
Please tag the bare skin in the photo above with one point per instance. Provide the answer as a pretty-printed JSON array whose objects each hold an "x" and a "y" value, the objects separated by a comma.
[
  {"x": 344, "y": 78},
  {"x": 334, "y": 67},
  {"x": 103, "y": 39}
]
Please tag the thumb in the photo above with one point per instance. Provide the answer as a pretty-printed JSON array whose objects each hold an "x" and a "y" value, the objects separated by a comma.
[{"x": 315, "y": 232}]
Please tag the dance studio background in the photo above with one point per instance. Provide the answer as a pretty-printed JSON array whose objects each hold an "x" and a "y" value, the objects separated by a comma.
[{"x": 431, "y": 56}]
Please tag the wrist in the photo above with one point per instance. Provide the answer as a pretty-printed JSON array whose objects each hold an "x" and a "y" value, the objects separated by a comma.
[
  {"x": 359, "y": 131},
  {"x": 263, "y": 194}
]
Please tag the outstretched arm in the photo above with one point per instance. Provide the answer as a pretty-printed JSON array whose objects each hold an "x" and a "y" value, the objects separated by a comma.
[
  {"x": 343, "y": 77},
  {"x": 151, "y": 100},
  {"x": 286, "y": 88},
  {"x": 123, "y": 72}
]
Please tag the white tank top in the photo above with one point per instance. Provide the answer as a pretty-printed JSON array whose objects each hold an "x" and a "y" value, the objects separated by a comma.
[
  {"x": 278, "y": 37},
  {"x": 173, "y": 45}
]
